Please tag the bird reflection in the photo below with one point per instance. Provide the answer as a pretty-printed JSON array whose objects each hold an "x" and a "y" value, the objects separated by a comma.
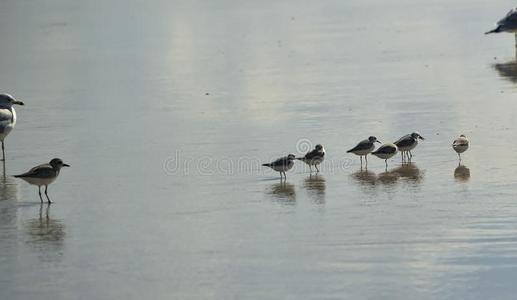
[
  {"x": 315, "y": 185},
  {"x": 410, "y": 172},
  {"x": 283, "y": 192},
  {"x": 8, "y": 188},
  {"x": 364, "y": 177},
  {"x": 46, "y": 234},
  {"x": 507, "y": 70},
  {"x": 388, "y": 178},
  {"x": 462, "y": 173}
]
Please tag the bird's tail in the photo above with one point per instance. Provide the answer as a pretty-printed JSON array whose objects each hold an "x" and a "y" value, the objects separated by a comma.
[
  {"x": 266, "y": 165},
  {"x": 18, "y": 176},
  {"x": 349, "y": 151},
  {"x": 496, "y": 30}
]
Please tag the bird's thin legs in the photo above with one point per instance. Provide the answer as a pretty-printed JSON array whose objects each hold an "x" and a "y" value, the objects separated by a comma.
[
  {"x": 310, "y": 168},
  {"x": 361, "y": 157},
  {"x": 386, "y": 161},
  {"x": 39, "y": 191},
  {"x": 48, "y": 199},
  {"x": 317, "y": 170},
  {"x": 366, "y": 159},
  {"x": 3, "y": 151},
  {"x": 459, "y": 156}
]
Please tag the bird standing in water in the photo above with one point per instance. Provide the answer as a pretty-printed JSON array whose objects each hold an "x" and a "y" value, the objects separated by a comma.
[
  {"x": 282, "y": 165},
  {"x": 43, "y": 175},
  {"x": 314, "y": 157},
  {"x": 460, "y": 145},
  {"x": 7, "y": 117}
]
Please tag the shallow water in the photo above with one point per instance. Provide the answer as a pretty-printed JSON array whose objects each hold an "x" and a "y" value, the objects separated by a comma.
[{"x": 166, "y": 111}]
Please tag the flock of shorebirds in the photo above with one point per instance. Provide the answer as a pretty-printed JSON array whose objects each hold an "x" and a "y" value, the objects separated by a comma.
[
  {"x": 45, "y": 174},
  {"x": 404, "y": 145},
  {"x": 41, "y": 175}
]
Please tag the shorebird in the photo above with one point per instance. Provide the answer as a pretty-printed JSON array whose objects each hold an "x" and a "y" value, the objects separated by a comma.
[
  {"x": 507, "y": 24},
  {"x": 386, "y": 152},
  {"x": 407, "y": 143},
  {"x": 364, "y": 148},
  {"x": 43, "y": 175},
  {"x": 7, "y": 117},
  {"x": 314, "y": 157},
  {"x": 460, "y": 145},
  {"x": 282, "y": 164}
]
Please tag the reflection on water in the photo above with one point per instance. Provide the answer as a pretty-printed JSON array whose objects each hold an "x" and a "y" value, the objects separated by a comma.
[
  {"x": 364, "y": 177},
  {"x": 283, "y": 192},
  {"x": 410, "y": 172},
  {"x": 462, "y": 173},
  {"x": 8, "y": 188},
  {"x": 46, "y": 235},
  {"x": 388, "y": 178},
  {"x": 507, "y": 70},
  {"x": 315, "y": 185}
]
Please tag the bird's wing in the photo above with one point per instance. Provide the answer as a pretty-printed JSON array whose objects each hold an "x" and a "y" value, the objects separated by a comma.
[
  {"x": 460, "y": 142},
  {"x": 405, "y": 141},
  {"x": 41, "y": 171},
  {"x": 6, "y": 118},
  {"x": 314, "y": 154},
  {"x": 280, "y": 162},
  {"x": 363, "y": 145},
  {"x": 385, "y": 149}
]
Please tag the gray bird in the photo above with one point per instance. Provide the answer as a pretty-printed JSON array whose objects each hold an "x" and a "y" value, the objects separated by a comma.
[
  {"x": 314, "y": 157},
  {"x": 7, "y": 117},
  {"x": 386, "y": 152},
  {"x": 282, "y": 164},
  {"x": 407, "y": 143},
  {"x": 43, "y": 174},
  {"x": 507, "y": 24},
  {"x": 364, "y": 148}
]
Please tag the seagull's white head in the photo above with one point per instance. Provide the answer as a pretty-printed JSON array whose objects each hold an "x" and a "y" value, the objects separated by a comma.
[{"x": 7, "y": 100}]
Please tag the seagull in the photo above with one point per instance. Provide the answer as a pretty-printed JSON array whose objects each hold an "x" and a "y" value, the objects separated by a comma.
[
  {"x": 314, "y": 157},
  {"x": 506, "y": 24},
  {"x": 363, "y": 148},
  {"x": 282, "y": 164},
  {"x": 7, "y": 117},
  {"x": 460, "y": 145},
  {"x": 407, "y": 143},
  {"x": 386, "y": 152},
  {"x": 43, "y": 174}
]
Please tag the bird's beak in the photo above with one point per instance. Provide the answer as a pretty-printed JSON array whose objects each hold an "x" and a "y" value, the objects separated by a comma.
[
  {"x": 66, "y": 165},
  {"x": 18, "y": 102},
  {"x": 422, "y": 138},
  {"x": 379, "y": 142}
]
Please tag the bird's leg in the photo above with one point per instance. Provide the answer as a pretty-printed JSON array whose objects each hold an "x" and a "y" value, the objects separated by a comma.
[
  {"x": 366, "y": 159},
  {"x": 459, "y": 156},
  {"x": 3, "y": 151},
  {"x": 317, "y": 170},
  {"x": 361, "y": 158},
  {"x": 386, "y": 161},
  {"x": 310, "y": 168},
  {"x": 48, "y": 199},
  {"x": 410, "y": 155},
  {"x": 39, "y": 191}
]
